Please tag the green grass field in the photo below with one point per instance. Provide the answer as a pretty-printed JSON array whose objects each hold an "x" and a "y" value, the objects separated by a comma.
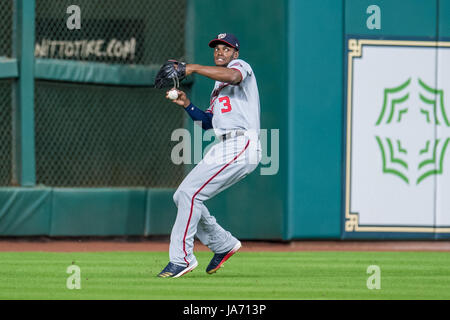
[{"x": 264, "y": 275}]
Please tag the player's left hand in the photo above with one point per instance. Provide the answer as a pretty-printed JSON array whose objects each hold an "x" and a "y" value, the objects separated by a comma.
[{"x": 171, "y": 73}]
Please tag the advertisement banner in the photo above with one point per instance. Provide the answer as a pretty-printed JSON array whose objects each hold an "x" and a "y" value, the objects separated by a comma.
[
  {"x": 99, "y": 40},
  {"x": 398, "y": 136}
]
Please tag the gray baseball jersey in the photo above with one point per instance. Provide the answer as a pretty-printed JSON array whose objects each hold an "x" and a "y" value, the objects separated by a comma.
[{"x": 236, "y": 107}]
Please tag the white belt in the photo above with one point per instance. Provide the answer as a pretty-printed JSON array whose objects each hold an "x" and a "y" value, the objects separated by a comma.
[{"x": 231, "y": 134}]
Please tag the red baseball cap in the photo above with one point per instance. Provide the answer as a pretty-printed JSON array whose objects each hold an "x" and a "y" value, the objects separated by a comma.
[{"x": 225, "y": 38}]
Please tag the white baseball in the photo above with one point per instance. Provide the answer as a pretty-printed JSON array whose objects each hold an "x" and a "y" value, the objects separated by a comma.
[{"x": 173, "y": 94}]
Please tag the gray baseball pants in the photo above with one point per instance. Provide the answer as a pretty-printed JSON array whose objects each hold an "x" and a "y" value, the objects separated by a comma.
[{"x": 224, "y": 164}]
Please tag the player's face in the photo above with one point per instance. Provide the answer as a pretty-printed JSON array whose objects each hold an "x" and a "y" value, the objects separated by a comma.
[{"x": 223, "y": 55}]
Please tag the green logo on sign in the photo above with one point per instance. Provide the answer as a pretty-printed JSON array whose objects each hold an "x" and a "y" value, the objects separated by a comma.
[{"x": 396, "y": 105}]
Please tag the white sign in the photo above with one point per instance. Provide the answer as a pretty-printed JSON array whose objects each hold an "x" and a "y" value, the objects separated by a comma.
[{"x": 398, "y": 136}]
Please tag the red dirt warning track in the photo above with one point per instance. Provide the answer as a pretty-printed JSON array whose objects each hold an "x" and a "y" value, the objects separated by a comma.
[{"x": 81, "y": 245}]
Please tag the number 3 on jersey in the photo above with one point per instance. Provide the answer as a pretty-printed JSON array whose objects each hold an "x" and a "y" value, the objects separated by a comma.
[{"x": 226, "y": 104}]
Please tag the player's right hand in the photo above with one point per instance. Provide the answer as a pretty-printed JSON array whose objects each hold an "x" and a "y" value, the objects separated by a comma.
[{"x": 182, "y": 99}]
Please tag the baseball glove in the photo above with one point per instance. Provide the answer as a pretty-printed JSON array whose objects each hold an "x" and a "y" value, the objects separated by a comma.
[{"x": 170, "y": 74}]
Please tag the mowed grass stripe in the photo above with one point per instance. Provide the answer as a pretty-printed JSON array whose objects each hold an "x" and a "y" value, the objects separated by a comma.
[{"x": 248, "y": 275}]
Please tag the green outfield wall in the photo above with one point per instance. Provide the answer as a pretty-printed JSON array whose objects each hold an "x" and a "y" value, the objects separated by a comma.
[
  {"x": 315, "y": 118},
  {"x": 354, "y": 100},
  {"x": 256, "y": 206}
]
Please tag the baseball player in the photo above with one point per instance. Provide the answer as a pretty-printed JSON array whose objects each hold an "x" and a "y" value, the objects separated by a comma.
[{"x": 234, "y": 114}]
